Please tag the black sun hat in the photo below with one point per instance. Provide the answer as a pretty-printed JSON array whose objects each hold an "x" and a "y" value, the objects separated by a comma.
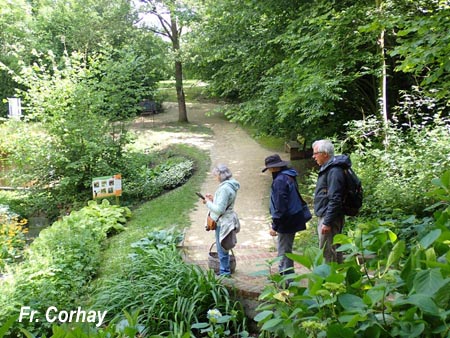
[{"x": 274, "y": 161}]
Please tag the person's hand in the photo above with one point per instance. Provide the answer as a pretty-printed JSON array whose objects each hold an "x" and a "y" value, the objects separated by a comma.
[
  {"x": 209, "y": 197},
  {"x": 325, "y": 229},
  {"x": 273, "y": 233}
]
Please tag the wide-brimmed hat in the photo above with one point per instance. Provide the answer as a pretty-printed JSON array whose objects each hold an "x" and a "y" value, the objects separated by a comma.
[{"x": 274, "y": 161}]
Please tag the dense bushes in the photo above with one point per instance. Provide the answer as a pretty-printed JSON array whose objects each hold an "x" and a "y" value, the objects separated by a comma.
[
  {"x": 397, "y": 166},
  {"x": 12, "y": 236},
  {"x": 170, "y": 294},
  {"x": 60, "y": 262},
  {"x": 387, "y": 286},
  {"x": 159, "y": 172}
]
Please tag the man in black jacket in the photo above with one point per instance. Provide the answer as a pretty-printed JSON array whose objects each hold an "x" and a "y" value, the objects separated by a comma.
[{"x": 328, "y": 197}]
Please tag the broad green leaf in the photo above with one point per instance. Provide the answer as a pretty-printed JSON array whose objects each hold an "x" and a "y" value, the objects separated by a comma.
[
  {"x": 374, "y": 295},
  {"x": 395, "y": 254},
  {"x": 342, "y": 239},
  {"x": 323, "y": 270},
  {"x": 392, "y": 236},
  {"x": 409, "y": 329},
  {"x": 442, "y": 296},
  {"x": 263, "y": 315},
  {"x": 271, "y": 324},
  {"x": 429, "y": 239},
  {"x": 336, "y": 278},
  {"x": 351, "y": 302},
  {"x": 352, "y": 320},
  {"x": 302, "y": 259},
  {"x": 7, "y": 325},
  {"x": 423, "y": 302},
  {"x": 428, "y": 282},
  {"x": 339, "y": 331},
  {"x": 352, "y": 275}
]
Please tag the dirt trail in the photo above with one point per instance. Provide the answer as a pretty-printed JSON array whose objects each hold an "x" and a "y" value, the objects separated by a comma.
[{"x": 232, "y": 146}]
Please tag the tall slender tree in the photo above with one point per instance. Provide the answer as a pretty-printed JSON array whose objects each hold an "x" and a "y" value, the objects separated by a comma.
[{"x": 169, "y": 15}]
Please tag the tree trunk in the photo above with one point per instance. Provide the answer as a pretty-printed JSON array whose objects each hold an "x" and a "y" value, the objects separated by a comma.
[
  {"x": 383, "y": 82},
  {"x": 182, "y": 113}
]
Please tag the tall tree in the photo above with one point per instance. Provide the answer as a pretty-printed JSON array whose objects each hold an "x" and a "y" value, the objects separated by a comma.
[
  {"x": 309, "y": 67},
  {"x": 82, "y": 25},
  {"x": 170, "y": 16}
]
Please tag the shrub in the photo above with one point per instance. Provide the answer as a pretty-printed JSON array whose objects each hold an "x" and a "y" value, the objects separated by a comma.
[
  {"x": 170, "y": 294},
  {"x": 384, "y": 288},
  {"x": 148, "y": 181},
  {"x": 59, "y": 263},
  {"x": 396, "y": 175},
  {"x": 12, "y": 236}
]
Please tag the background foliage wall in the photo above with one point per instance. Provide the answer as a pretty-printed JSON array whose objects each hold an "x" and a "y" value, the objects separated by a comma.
[{"x": 307, "y": 67}]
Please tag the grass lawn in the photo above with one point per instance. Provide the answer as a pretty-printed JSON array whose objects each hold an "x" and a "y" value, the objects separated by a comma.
[
  {"x": 171, "y": 210},
  {"x": 194, "y": 90}
]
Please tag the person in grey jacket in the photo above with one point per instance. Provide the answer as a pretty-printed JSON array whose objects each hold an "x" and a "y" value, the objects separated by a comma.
[
  {"x": 221, "y": 208},
  {"x": 328, "y": 197}
]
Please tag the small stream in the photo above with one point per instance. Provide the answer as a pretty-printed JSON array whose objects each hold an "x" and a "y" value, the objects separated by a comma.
[{"x": 35, "y": 226}]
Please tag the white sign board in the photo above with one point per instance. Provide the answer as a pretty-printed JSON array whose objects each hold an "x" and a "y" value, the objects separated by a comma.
[{"x": 15, "y": 108}]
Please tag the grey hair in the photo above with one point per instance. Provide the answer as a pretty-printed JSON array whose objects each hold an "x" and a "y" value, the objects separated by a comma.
[
  {"x": 222, "y": 171},
  {"x": 324, "y": 146}
]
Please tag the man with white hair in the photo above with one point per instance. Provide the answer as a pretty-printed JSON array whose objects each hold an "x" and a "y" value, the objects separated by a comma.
[{"x": 328, "y": 197}]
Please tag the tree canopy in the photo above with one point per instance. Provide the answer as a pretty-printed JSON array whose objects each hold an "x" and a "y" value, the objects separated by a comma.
[{"x": 308, "y": 67}]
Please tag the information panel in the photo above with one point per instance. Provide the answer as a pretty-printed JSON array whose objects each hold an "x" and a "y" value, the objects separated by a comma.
[{"x": 107, "y": 186}]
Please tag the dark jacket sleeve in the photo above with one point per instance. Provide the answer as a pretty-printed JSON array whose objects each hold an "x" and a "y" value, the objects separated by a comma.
[
  {"x": 335, "y": 194},
  {"x": 280, "y": 199}
]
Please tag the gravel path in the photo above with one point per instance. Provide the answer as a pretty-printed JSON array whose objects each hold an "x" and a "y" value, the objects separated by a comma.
[{"x": 232, "y": 146}]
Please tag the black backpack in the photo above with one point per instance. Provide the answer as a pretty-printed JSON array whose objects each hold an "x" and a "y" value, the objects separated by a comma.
[{"x": 353, "y": 198}]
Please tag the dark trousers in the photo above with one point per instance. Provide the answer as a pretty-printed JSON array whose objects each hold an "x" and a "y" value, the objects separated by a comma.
[
  {"x": 326, "y": 240},
  {"x": 285, "y": 243}
]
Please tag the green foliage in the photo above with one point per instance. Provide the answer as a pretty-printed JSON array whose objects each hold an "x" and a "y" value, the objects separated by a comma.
[
  {"x": 15, "y": 39},
  {"x": 149, "y": 176},
  {"x": 60, "y": 263},
  {"x": 307, "y": 68},
  {"x": 159, "y": 239},
  {"x": 424, "y": 46},
  {"x": 127, "y": 328},
  {"x": 216, "y": 326},
  {"x": 288, "y": 81},
  {"x": 170, "y": 293},
  {"x": 384, "y": 288},
  {"x": 78, "y": 143},
  {"x": 76, "y": 139},
  {"x": 120, "y": 80},
  {"x": 12, "y": 236},
  {"x": 397, "y": 175}
]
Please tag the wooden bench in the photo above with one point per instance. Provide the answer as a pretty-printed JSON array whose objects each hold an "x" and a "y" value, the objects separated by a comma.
[{"x": 296, "y": 151}]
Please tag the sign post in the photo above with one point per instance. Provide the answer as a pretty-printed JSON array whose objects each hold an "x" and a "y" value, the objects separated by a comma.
[
  {"x": 107, "y": 186},
  {"x": 15, "y": 108}
]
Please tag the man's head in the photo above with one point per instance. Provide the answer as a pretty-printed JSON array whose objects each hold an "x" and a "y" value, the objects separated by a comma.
[
  {"x": 323, "y": 150},
  {"x": 274, "y": 163}
]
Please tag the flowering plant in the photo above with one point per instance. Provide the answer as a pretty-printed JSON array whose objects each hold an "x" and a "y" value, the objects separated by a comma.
[
  {"x": 217, "y": 325},
  {"x": 12, "y": 237}
]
